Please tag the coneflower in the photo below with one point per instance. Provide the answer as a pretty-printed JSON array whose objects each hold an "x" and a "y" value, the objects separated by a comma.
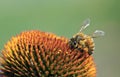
[{"x": 41, "y": 54}]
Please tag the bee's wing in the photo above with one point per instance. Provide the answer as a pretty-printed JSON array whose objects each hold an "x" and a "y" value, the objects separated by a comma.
[
  {"x": 98, "y": 33},
  {"x": 85, "y": 24}
]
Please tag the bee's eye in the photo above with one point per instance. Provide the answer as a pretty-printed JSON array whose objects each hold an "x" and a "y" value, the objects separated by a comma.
[{"x": 74, "y": 42}]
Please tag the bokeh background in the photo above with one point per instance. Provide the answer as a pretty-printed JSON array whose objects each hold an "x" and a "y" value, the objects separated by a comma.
[{"x": 64, "y": 18}]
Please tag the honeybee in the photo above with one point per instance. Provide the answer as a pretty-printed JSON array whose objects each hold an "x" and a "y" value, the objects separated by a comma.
[{"x": 82, "y": 42}]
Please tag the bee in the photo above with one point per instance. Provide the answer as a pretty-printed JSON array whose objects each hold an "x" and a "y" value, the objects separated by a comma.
[{"x": 83, "y": 42}]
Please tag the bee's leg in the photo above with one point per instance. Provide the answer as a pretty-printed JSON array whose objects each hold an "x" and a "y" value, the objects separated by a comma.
[
  {"x": 90, "y": 52},
  {"x": 81, "y": 50}
]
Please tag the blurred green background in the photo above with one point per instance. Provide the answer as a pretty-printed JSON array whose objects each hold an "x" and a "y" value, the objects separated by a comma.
[{"x": 64, "y": 18}]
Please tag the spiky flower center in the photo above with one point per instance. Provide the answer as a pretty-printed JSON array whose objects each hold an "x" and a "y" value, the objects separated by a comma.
[{"x": 42, "y": 54}]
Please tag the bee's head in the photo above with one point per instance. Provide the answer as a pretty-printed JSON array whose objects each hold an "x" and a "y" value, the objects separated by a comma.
[{"x": 82, "y": 42}]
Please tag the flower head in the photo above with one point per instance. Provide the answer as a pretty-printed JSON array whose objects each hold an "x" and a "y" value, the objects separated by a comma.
[{"x": 41, "y": 54}]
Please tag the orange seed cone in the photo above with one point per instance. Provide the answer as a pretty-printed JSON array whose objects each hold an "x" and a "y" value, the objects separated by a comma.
[{"x": 41, "y": 54}]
